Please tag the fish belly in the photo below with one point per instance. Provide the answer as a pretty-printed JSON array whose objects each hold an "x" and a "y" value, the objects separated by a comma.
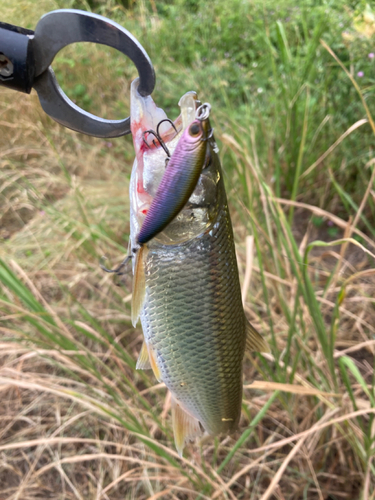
[{"x": 194, "y": 320}]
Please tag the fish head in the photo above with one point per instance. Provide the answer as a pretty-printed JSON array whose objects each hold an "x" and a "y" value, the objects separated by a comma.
[{"x": 150, "y": 164}]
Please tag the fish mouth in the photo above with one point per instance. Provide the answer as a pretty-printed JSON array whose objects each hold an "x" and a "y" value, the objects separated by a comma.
[
  {"x": 146, "y": 117},
  {"x": 155, "y": 138}
]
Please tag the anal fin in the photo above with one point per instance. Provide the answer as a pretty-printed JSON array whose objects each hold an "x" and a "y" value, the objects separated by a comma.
[
  {"x": 139, "y": 285},
  {"x": 143, "y": 362},
  {"x": 185, "y": 427},
  {"x": 254, "y": 340}
]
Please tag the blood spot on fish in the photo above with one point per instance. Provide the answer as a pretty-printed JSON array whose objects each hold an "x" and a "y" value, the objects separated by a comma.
[
  {"x": 146, "y": 147},
  {"x": 140, "y": 187},
  {"x": 144, "y": 211}
]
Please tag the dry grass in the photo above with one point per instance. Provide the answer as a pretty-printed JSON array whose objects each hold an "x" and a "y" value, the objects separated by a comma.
[{"x": 77, "y": 421}]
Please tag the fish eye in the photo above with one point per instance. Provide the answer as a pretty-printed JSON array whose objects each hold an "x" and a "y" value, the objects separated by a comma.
[{"x": 194, "y": 130}]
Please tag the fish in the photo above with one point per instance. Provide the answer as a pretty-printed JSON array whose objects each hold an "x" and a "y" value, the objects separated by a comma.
[{"x": 186, "y": 287}]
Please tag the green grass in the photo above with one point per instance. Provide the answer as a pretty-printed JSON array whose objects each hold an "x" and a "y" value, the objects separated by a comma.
[{"x": 77, "y": 419}]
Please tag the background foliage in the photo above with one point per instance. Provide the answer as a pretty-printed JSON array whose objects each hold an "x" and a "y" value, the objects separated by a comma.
[{"x": 291, "y": 85}]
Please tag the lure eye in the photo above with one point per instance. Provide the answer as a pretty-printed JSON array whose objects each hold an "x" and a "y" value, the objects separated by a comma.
[{"x": 194, "y": 130}]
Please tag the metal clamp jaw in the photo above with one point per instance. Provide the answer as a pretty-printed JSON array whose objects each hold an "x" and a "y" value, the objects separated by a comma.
[{"x": 25, "y": 59}]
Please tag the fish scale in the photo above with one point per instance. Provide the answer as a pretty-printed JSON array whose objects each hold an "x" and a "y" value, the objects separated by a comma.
[{"x": 197, "y": 325}]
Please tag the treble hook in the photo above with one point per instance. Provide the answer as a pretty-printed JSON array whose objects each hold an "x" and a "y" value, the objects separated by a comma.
[
  {"x": 144, "y": 137},
  {"x": 117, "y": 269},
  {"x": 158, "y": 136},
  {"x": 161, "y": 142},
  {"x": 165, "y": 120}
]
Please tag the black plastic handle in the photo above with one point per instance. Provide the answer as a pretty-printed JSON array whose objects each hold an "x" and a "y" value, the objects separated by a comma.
[{"x": 17, "y": 65}]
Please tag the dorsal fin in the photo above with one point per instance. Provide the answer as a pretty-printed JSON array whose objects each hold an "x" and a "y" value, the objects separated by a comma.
[
  {"x": 143, "y": 362},
  {"x": 185, "y": 427},
  {"x": 139, "y": 285},
  {"x": 254, "y": 340}
]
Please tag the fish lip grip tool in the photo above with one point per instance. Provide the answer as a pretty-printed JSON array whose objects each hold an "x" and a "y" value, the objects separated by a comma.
[{"x": 26, "y": 57}]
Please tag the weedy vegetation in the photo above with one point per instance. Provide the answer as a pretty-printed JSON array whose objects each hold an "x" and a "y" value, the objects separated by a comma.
[{"x": 291, "y": 86}]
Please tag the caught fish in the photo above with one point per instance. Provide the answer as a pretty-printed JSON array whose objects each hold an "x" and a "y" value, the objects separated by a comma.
[{"x": 186, "y": 289}]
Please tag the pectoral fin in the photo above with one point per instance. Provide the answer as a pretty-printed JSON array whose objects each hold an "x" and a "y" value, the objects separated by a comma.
[
  {"x": 139, "y": 285},
  {"x": 143, "y": 362},
  {"x": 185, "y": 427},
  {"x": 254, "y": 340}
]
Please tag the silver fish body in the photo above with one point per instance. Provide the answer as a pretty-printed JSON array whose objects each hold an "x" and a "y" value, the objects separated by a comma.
[{"x": 194, "y": 319}]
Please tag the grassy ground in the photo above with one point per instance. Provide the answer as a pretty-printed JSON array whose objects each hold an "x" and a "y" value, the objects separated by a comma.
[{"x": 291, "y": 85}]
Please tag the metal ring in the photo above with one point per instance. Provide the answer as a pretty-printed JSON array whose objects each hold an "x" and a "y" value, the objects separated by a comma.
[
  {"x": 60, "y": 28},
  {"x": 203, "y": 112}
]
